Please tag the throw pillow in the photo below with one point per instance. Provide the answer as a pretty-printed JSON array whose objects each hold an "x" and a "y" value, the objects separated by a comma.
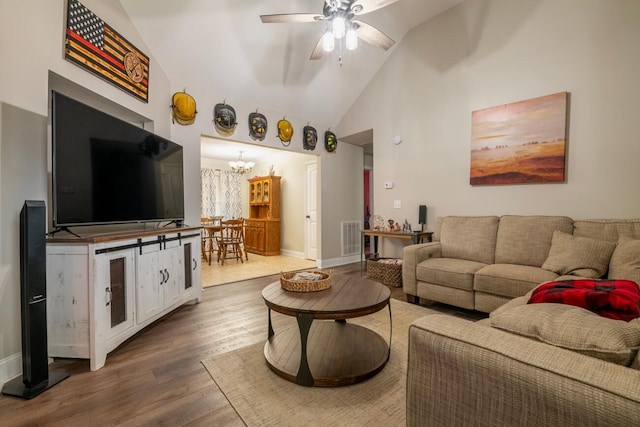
[
  {"x": 574, "y": 329},
  {"x": 625, "y": 261},
  {"x": 580, "y": 256}
]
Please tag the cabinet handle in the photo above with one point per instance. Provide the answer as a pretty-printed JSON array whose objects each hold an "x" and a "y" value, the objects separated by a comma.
[
  {"x": 108, "y": 291},
  {"x": 166, "y": 271},
  {"x": 195, "y": 264},
  {"x": 163, "y": 277}
]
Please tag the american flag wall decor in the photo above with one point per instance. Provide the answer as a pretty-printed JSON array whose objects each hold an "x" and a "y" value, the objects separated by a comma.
[{"x": 93, "y": 45}]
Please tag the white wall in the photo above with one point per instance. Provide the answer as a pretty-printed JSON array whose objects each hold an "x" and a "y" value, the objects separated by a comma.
[{"x": 485, "y": 53}]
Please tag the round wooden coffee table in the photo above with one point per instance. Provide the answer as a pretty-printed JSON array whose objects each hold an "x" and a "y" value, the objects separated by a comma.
[{"x": 332, "y": 352}]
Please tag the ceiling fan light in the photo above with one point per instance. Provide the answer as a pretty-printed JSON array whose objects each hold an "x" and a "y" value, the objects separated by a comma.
[
  {"x": 328, "y": 44},
  {"x": 352, "y": 39},
  {"x": 339, "y": 27}
]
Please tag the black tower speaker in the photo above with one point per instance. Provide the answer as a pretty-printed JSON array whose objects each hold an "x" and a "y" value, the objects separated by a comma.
[
  {"x": 36, "y": 377},
  {"x": 422, "y": 215}
]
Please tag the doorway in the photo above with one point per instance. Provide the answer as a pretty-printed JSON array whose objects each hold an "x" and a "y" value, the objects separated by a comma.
[{"x": 216, "y": 153}]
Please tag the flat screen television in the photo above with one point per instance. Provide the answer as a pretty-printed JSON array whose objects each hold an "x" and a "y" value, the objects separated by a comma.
[{"x": 108, "y": 171}]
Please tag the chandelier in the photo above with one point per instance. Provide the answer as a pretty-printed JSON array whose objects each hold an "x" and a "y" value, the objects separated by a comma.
[{"x": 240, "y": 166}]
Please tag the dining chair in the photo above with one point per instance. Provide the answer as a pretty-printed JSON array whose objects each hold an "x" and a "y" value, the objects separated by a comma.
[
  {"x": 230, "y": 240},
  {"x": 205, "y": 239},
  {"x": 211, "y": 227}
]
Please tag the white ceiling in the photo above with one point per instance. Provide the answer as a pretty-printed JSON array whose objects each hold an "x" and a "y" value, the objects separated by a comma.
[
  {"x": 222, "y": 149},
  {"x": 223, "y": 46}
]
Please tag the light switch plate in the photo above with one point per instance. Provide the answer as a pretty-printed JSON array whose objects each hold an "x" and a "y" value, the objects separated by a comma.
[
  {"x": 388, "y": 184},
  {"x": 397, "y": 204}
]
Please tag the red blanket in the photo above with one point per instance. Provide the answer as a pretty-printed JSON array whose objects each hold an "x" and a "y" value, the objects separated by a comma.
[{"x": 614, "y": 299}]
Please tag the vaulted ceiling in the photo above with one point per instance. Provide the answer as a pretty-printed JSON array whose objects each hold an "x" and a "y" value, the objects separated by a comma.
[{"x": 223, "y": 46}]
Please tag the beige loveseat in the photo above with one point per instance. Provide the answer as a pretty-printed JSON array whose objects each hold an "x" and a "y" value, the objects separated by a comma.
[{"x": 482, "y": 262}]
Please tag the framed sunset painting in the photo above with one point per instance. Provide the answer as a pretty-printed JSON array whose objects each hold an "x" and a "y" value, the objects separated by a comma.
[{"x": 518, "y": 143}]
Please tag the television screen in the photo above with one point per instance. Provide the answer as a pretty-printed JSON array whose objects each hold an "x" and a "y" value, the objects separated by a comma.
[{"x": 107, "y": 171}]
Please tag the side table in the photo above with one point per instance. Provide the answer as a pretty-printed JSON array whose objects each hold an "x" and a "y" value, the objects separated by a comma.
[{"x": 414, "y": 236}]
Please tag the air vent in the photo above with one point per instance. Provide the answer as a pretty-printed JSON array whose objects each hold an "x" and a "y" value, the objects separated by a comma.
[{"x": 350, "y": 237}]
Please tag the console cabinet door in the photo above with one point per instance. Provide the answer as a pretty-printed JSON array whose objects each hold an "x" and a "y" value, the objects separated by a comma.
[
  {"x": 149, "y": 278},
  {"x": 114, "y": 281},
  {"x": 172, "y": 265},
  {"x": 160, "y": 278}
]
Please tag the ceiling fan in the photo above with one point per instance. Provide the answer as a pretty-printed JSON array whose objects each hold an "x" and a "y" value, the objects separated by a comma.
[{"x": 341, "y": 15}]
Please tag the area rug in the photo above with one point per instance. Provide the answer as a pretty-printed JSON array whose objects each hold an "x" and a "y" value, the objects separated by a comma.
[{"x": 261, "y": 398}]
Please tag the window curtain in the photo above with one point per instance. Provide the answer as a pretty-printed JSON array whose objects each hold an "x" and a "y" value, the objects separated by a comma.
[
  {"x": 221, "y": 193},
  {"x": 210, "y": 181}
]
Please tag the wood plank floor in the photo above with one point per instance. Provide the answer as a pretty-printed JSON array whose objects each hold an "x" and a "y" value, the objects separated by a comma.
[{"x": 156, "y": 378}]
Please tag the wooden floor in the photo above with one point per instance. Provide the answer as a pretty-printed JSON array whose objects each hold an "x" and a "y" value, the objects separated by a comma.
[{"x": 156, "y": 378}]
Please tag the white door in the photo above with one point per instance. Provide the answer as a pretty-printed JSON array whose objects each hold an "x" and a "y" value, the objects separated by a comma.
[{"x": 311, "y": 208}]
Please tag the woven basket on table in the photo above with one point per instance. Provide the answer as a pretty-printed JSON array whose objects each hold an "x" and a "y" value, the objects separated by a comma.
[
  {"x": 305, "y": 285},
  {"x": 388, "y": 274}
]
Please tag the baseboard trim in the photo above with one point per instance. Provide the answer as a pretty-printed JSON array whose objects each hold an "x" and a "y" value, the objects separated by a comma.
[
  {"x": 334, "y": 262},
  {"x": 292, "y": 254},
  {"x": 10, "y": 367}
]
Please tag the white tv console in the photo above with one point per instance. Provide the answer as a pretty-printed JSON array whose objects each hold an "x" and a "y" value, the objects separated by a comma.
[{"x": 104, "y": 288}]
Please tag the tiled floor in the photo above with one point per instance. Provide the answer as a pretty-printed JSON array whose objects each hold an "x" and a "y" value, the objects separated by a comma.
[{"x": 256, "y": 266}]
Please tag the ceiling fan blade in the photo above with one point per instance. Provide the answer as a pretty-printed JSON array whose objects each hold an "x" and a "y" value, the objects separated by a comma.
[
  {"x": 318, "y": 51},
  {"x": 291, "y": 18},
  {"x": 373, "y": 36},
  {"x": 360, "y": 7}
]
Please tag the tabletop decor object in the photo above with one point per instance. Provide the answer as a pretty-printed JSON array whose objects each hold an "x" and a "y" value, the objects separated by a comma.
[{"x": 305, "y": 281}]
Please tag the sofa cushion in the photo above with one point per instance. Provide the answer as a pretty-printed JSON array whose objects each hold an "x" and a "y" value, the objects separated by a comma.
[
  {"x": 510, "y": 280},
  {"x": 581, "y": 256},
  {"x": 526, "y": 239},
  {"x": 573, "y": 328},
  {"x": 454, "y": 273},
  {"x": 607, "y": 229},
  {"x": 436, "y": 230},
  {"x": 625, "y": 260},
  {"x": 470, "y": 238}
]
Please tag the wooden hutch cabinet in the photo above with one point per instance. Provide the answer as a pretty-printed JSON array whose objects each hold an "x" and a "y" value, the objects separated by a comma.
[{"x": 262, "y": 229}]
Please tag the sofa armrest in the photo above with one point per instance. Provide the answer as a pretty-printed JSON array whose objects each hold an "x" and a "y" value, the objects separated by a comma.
[
  {"x": 412, "y": 255},
  {"x": 463, "y": 373}
]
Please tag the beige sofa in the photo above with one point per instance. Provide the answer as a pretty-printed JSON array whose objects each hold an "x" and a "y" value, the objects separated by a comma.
[
  {"x": 527, "y": 364},
  {"x": 482, "y": 262}
]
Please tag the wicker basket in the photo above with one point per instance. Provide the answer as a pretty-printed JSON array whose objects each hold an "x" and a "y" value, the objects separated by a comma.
[
  {"x": 289, "y": 284},
  {"x": 388, "y": 274}
]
